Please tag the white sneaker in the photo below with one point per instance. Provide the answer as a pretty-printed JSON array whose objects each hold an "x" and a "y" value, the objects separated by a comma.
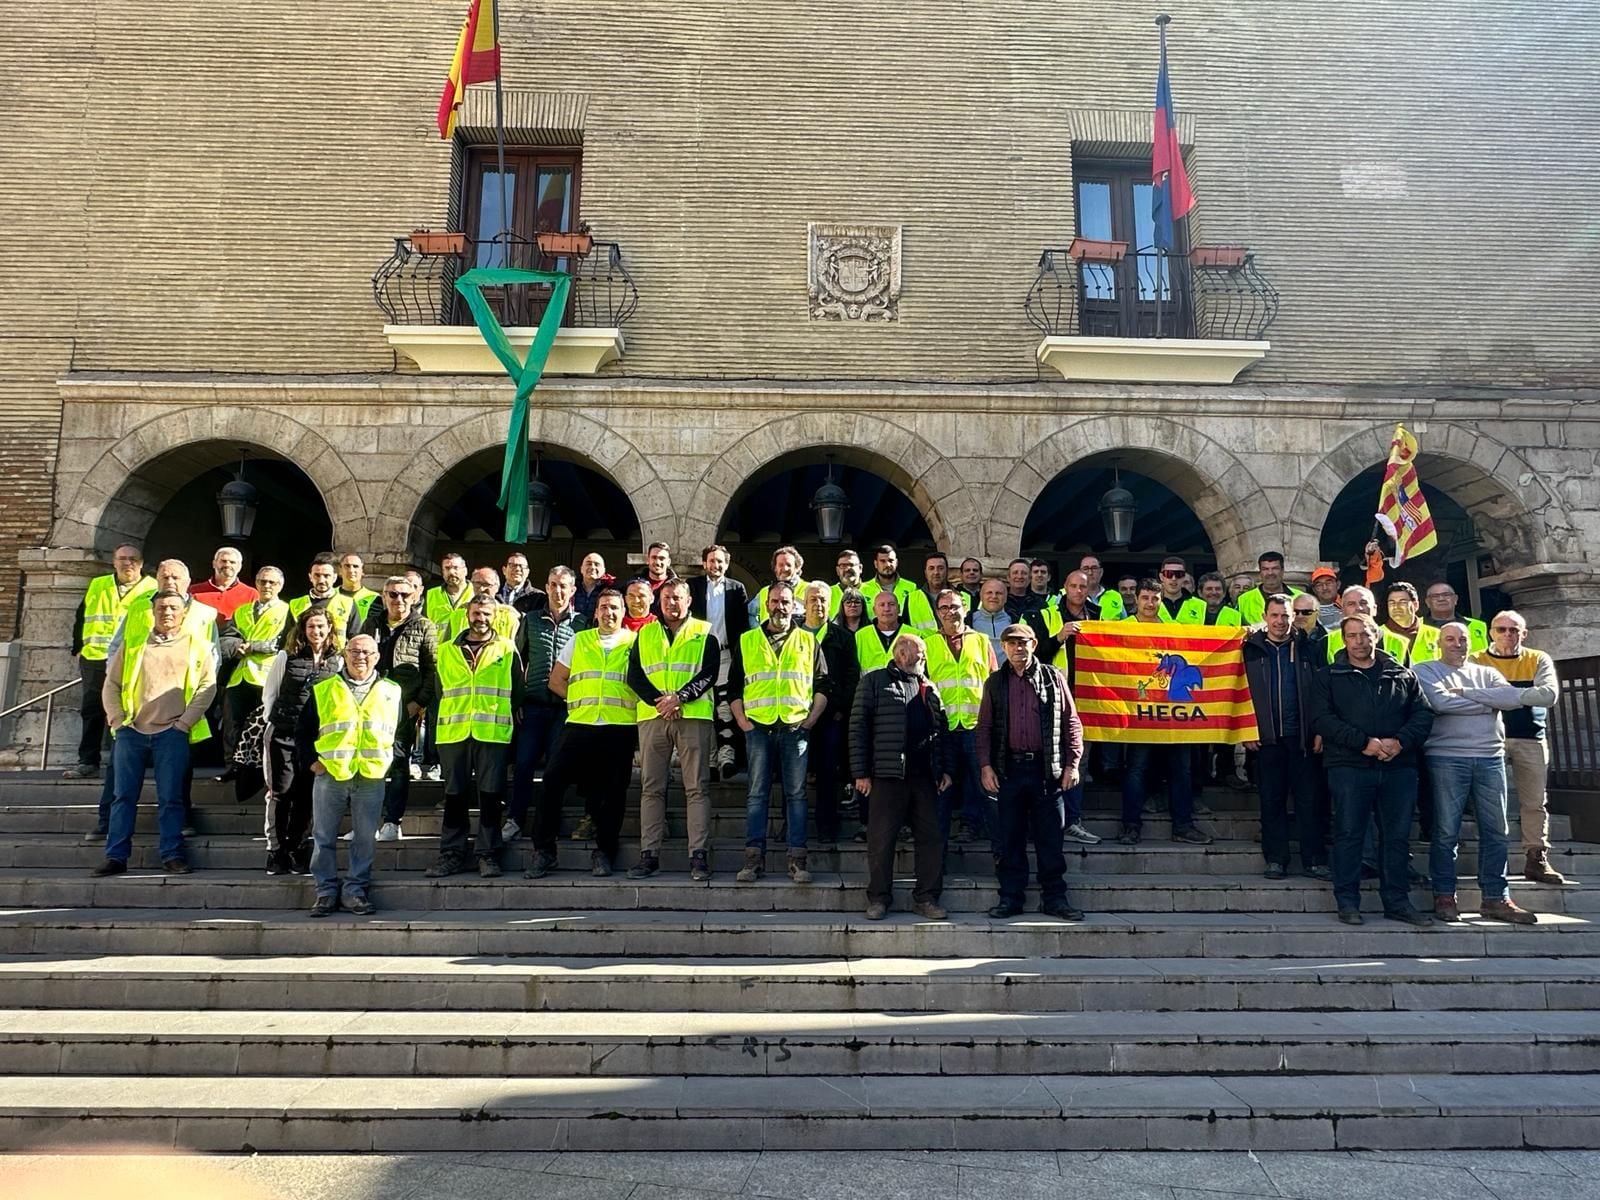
[
  {"x": 348, "y": 835},
  {"x": 510, "y": 831},
  {"x": 432, "y": 774},
  {"x": 414, "y": 770},
  {"x": 389, "y": 831},
  {"x": 1077, "y": 833}
]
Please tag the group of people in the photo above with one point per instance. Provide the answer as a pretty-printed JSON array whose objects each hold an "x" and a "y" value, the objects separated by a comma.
[{"x": 945, "y": 708}]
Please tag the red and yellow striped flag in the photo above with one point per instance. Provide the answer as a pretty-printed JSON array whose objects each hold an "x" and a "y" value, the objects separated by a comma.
[
  {"x": 477, "y": 60},
  {"x": 1402, "y": 508},
  {"x": 1144, "y": 682}
]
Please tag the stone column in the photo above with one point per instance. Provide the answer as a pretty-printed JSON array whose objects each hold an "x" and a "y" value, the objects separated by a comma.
[{"x": 55, "y": 580}]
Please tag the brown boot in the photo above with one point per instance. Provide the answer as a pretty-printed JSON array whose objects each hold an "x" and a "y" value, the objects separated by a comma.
[
  {"x": 1444, "y": 907},
  {"x": 755, "y": 865},
  {"x": 1538, "y": 869},
  {"x": 1505, "y": 910},
  {"x": 798, "y": 872}
]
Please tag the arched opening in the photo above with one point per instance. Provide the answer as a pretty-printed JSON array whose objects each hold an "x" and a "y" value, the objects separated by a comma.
[
  {"x": 773, "y": 508},
  {"x": 461, "y": 513},
  {"x": 169, "y": 507},
  {"x": 1461, "y": 557},
  {"x": 1065, "y": 521}
]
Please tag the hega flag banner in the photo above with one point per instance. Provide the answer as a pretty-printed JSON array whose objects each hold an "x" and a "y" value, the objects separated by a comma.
[{"x": 1139, "y": 682}]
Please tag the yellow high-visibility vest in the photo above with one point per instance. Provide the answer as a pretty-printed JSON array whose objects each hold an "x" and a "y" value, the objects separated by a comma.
[
  {"x": 356, "y": 739},
  {"x": 778, "y": 688},
  {"x": 670, "y": 667},
  {"x": 475, "y": 700},
  {"x": 504, "y": 623},
  {"x": 959, "y": 678},
  {"x": 339, "y": 607},
  {"x": 597, "y": 685},
  {"x": 870, "y": 650},
  {"x": 133, "y": 648},
  {"x": 252, "y": 668},
  {"x": 103, "y": 611}
]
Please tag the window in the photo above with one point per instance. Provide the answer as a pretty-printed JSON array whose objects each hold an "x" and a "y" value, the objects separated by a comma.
[
  {"x": 540, "y": 191},
  {"x": 1121, "y": 299}
]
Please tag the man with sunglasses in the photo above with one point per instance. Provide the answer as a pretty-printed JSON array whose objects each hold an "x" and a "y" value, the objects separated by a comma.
[
  {"x": 408, "y": 645},
  {"x": 1178, "y": 604}
]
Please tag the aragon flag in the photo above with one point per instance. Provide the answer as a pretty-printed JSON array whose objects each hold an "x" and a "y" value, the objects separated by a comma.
[
  {"x": 1144, "y": 682},
  {"x": 1402, "y": 508},
  {"x": 477, "y": 60},
  {"x": 1171, "y": 198}
]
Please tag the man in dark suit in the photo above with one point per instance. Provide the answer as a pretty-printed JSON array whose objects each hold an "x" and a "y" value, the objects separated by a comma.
[{"x": 722, "y": 603}]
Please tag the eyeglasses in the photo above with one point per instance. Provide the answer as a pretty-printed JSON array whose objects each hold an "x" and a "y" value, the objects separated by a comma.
[
  {"x": 357, "y": 652},
  {"x": 398, "y": 595},
  {"x": 1172, "y": 574},
  {"x": 1506, "y": 629},
  {"x": 949, "y": 608},
  {"x": 1305, "y": 612}
]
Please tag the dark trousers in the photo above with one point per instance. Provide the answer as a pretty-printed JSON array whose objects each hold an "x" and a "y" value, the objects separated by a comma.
[
  {"x": 1285, "y": 769},
  {"x": 894, "y": 803},
  {"x": 1030, "y": 807},
  {"x": 397, "y": 783},
  {"x": 599, "y": 760},
  {"x": 430, "y": 742},
  {"x": 289, "y": 811},
  {"x": 1140, "y": 758},
  {"x": 92, "y": 738},
  {"x": 473, "y": 771},
  {"x": 538, "y": 738},
  {"x": 1359, "y": 793},
  {"x": 826, "y": 753},
  {"x": 965, "y": 797}
]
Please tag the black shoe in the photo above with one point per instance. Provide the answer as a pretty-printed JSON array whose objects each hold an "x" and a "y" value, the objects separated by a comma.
[
  {"x": 599, "y": 864},
  {"x": 1129, "y": 835},
  {"x": 300, "y": 860},
  {"x": 228, "y": 775},
  {"x": 699, "y": 866},
  {"x": 360, "y": 906},
  {"x": 1006, "y": 908},
  {"x": 176, "y": 866},
  {"x": 1351, "y": 916},
  {"x": 1410, "y": 916},
  {"x": 277, "y": 863},
  {"x": 1192, "y": 835},
  {"x": 1060, "y": 910},
  {"x": 1319, "y": 871},
  {"x": 647, "y": 865},
  {"x": 448, "y": 864},
  {"x": 540, "y": 864},
  {"x": 111, "y": 866},
  {"x": 1275, "y": 871},
  {"x": 488, "y": 869},
  {"x": 325, "y": 906}
]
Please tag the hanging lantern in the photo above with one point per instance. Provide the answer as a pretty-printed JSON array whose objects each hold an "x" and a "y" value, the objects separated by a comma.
[
  {"x": 541, "y": 507},
  {"x": 238, "y": 502},
  {"x": 829, "y": 503},
  {"x": 1117, "y": 510}
]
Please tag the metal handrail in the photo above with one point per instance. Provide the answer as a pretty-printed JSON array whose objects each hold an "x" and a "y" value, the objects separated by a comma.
[{"x": 49, "y": 710}]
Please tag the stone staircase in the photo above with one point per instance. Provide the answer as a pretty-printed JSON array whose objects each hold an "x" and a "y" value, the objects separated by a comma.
[{"x": 1198, "y": 1007}]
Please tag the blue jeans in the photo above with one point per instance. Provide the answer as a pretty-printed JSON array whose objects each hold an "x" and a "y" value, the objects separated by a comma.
[
  {"x": 1135, "y": 773},
  {"x": 1072, "y": 805},
  {"x": 537, "y": 736},
  {"x": 965, "y": 795},
  {"x": 789, "y": 743},
  {"x": 1455, "y": 782},
  {"x": 329, "y": 800},
  {"x": 133, "y": 753},
  {"x": 1359, "y": 793}
]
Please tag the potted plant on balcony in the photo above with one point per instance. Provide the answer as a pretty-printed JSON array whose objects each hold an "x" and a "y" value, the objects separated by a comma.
[
  {"x": 1096, "y": 250},
  {"x": 1220, "y": 257},
  {"x": 559, "y": 243},
  {"x": 425, "y": 241}
]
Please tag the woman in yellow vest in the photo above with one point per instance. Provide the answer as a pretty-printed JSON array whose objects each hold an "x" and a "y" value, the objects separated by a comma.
[{"x": 346, "y": 740}]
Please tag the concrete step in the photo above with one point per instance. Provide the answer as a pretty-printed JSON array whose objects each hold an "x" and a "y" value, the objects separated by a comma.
[
  {"x": 829, "y": 892},
  {"x": 1150, "y": 857},
  {"x": 654, "y": 935},
  {"x": 609, "y": 1044},
  {"x": 770, "y": 984},
  {"x": 1084, "y": 1112}
]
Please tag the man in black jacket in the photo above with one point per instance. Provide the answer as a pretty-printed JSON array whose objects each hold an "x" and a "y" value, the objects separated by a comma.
[
  {"x": 1373, "y": 721},
  {"x": 407, "y": 645},
  {"x": 1029, "y": 744},
  {"x": 899, "y": 757},
  {"x": 1278, "y": 662},
  {"x": 721, "y": 602}
]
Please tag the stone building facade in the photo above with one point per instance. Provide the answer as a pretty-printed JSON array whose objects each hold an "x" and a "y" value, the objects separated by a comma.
[{"x": 204, "y": 260}]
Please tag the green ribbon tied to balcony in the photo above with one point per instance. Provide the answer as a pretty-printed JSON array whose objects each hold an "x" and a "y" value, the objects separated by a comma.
[{"x": 525, "y": 374}]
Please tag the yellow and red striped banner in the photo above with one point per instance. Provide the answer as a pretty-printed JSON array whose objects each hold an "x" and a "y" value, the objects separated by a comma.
[
  {"x": 1139, "y": 682},
  {"x": 1402, "y": 508},
  {"x": 477, "y": 60}
]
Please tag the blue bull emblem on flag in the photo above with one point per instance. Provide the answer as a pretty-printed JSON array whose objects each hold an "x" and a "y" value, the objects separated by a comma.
[{"x": 1174, "y": 674}]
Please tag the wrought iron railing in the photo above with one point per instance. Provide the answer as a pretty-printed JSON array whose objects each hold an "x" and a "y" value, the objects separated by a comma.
[
  {"x": 416, "y": 283},
  {"x": 1574, "y": 727},
  {"x": 1099, "y": 289}
]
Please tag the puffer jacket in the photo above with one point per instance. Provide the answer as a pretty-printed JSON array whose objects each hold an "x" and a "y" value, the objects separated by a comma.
[
  {"x": 407, "y": 655},
  {"x": 1349, "y": 707},
  {"x": 878, "y": 726}
]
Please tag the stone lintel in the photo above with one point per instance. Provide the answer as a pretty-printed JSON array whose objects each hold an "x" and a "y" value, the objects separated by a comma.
[
  {"x": 1149, "y": 360},
  {"x": 461, "y": 350}
]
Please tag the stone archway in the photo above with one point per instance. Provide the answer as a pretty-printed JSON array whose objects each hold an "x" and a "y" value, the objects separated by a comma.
[
  {"x": 1224, "y": 495},
  {"x": 406, "y": 520},
  {"x": 118, "y": 497},
  {"x": 1517, "y": 517},
  {"x": 904, "y": 458}
]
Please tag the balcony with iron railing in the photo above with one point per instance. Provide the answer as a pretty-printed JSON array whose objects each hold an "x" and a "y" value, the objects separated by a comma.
[
  {"x": 1150, "y": 316},
  {"x": 428, "y": 321}
]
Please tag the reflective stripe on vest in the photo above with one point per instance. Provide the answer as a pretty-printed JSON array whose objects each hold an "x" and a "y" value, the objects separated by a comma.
[
  {"x": 670, "y": 667},
  {"x": 475, "y": 701},
  {"x": 356, "y": 739},
  {"x": 103, "y": 610},
  {"x": 133, "y": 648},
  {"x": 778, "y": 688},
  {"x": 253, "y": 668},
  {"x": 959, "y": 679},
  {"x": 597, "y": 687}
]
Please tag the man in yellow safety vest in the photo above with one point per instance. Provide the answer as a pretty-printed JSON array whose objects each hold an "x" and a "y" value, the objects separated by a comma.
[
  {"x": 250, "y": 640},
  {"x": 352, "y": 572},
  {"x": 959, "y": 660},
  {"x": 104, "y": 605}
]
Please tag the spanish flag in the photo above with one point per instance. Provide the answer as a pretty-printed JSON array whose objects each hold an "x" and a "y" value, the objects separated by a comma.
[
  {"x": 1402, "y": 508},
  {"x": 477, "y": 60},
  {"x": 1147, "y": 682}
]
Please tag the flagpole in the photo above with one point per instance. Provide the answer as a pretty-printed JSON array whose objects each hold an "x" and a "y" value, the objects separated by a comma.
[
  {"x": 1162, "y": 21},
  {"x": 504, "y": 236}
]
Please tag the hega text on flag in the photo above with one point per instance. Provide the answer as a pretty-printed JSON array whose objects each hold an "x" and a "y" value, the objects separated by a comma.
[{"x": 1140, "y": 682}]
